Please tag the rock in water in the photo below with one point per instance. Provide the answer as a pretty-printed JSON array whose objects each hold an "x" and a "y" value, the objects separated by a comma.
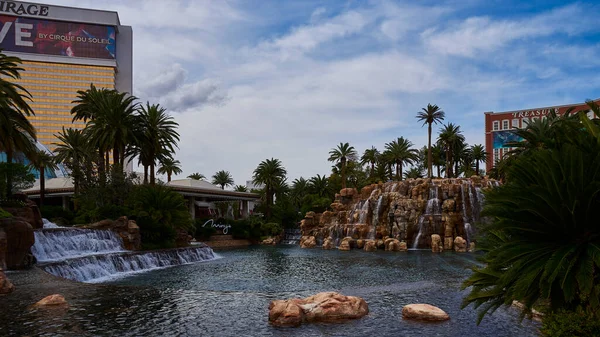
[
  {"x": 460, "y": 245},
  {"x": 328, "y": 244},
  {"x": 424, "y": 312},
  {"x": 370, "y": 246},
  {"x": 322, "y": 307},
  {"x": 308, "y": 242},
  {"x": 436, "y": 244},
  {"x": 19, "y": 239},
  {"x": 55, "y": 300},
  {"x": 5, "y": 285}
]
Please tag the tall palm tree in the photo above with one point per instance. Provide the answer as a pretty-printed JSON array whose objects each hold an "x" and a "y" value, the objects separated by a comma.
[
  {"x": 240, "y": 188},
  {"x": 438, "y": 158},
  {"x": 448, "y": 138},
  {"x": 342, "y": 154},
  {"x": 370, "y": 156},
  {"x": 73, "y": 150},
  {"x": 42, "y": 160},
  {"x": 222, "y": 178},
  {"x": 156, "y": 134},
  {"x": 169, "y": 166},
  {"x": 299, "y": 191},
  {"x": 197, "y": 176},
  {"x": 399, "y": 152},
  {"x": 16, "y": 135},
  {"x": 270, "y": 173},
  {"x": 479, "y": 155},
  {"x": 430, "y": 115},
  {"x": 12, "y": 95}
]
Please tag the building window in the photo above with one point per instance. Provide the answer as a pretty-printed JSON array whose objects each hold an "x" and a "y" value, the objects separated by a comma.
[
  {"x": 525, "y": 121},
  {"x": 496, "y": 155},
  {"x": 496, "y": 126},
  {"x": 505, "y": 124},
  {"x": 515, "y": 123}
]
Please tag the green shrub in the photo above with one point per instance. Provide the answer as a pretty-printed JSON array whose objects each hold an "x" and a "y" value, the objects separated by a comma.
[
  {"x": 570, "y": 324},
  {"x": 4, "y": 214},
  {"x": 155, "y": 235},
  {"x": 203, "y": 232},
  {"x": 57, "y": 213},
  {"x": 270, "y": 229},
  {"x": 248, "y": 229}
]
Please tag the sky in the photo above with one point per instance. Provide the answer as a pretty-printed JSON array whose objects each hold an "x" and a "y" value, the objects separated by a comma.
[{"x": 252, "y": 80}]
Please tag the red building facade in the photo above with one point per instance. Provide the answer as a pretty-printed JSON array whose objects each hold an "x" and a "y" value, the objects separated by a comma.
[{"x": 498, "y": 126}]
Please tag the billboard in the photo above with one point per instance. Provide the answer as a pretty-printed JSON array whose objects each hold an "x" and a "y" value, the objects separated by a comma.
[
  {"x": 501, "y": 138},
  {"x": 36, "y": 36}
]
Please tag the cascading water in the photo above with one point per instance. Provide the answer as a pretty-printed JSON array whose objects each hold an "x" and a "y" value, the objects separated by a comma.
[
  {"x": 91, "y": 255},
  {"x": 291, "y": 236},
  {"x": 466, "y": 220},
  {"x": 433, "y": 210}
]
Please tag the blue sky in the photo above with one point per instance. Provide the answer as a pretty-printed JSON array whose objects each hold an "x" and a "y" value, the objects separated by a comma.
[{"x": 250, "y": 80}]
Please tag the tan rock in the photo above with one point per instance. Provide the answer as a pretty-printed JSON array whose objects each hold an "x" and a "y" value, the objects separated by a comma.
[
  {"x": 360, "y": 243},
  {"x": 460, "y": 245},
  {"x": 346, "y": 243},
  {"x": 402, "y": 247},
  {"x": 268, "y": 241},
  {"x": 55, "y": 300},
  {"x": 19, "y": 239},
  {"x": 436, "y": 244},
  {"x": 380, "y": 244},
  {"x": 308, "y": 242},
  {"x": 328, "y": 244},
  {"x": 30, "y": 213},
  {"x": 471, "y": 247},
  {"x": 5, "y": 285},
  {"x": 448, "y": 243},
  {"x": 322, "y": 307},
  {"x": 424, "y": 312},
  {"x": 392, "y": 245},
  {"x": 370, "y": 246}
]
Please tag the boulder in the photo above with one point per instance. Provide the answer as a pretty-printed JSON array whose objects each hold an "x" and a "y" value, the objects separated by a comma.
[
  {"x": 19, "y": 239},
  {"x": 29, "y": 212},
  {"x": 129, "y": 231},
  {"x": 370, "y": 246},
  {"x": 308, "y": 242},
  {"x": 436, "y": 244},
  {"x": 424, "y": 312},
  {"x": 328, "y": 244},
  {"x": 346, "y": 243},
  {"x": 268, "y": 241},
  {"x": 380, "y": 244},
  {"x": 322, "y": 307},
  {"x": 360, "y": 243},
  {"x": 55, "y": 300},
  {"x": 5, "y": 285},
  {"x": 402, "y": 247},
  {"x": 392, "y": 245},
  {"x": 460, "y": 245},
  {"x": 448, "y": 243}
]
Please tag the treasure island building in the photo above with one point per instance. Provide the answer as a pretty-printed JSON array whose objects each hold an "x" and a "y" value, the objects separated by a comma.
[
  {"x": 64, "y": 49},
  {"x": 499, "y": 126}
]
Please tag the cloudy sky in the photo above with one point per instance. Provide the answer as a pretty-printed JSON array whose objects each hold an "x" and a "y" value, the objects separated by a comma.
[{"x": 250, "y": 80}]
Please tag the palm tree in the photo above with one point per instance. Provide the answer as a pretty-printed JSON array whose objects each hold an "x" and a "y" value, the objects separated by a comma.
[
  {"x": 319, "y": 185},
  {"x": 479, "y": 155},
  {"x": 16, "y": 135},
  {"x": 449, "y": 137},
  {"x": 12, "y": 95},
  {"x": 43, "y": 160},
  {"x": 414, "y": 173},
  {"x": 197, "y": 176},
  {"x": 169, "y": 166},
  {"x": 370, "y": 156},
  {"x": 73, "y": 151},
  {"x": 438, "y": 158},
  {"x": 270, "y": 172},
  {"x": 240, "y": 188},
  {"x": 222, "y": 178},
  {"x": 399, "y": 152},
  {"x": 429, "y": 115},
  {"x": 342, "y": 154},
  {"x": 299, "y": 191},
  {"x": 157, "y": 136}
]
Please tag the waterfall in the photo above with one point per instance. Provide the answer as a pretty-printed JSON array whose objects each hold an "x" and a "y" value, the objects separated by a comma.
[
  {"x": 364, "y": 211},
  {"x": 377, "y": 212},
  {"x": 92, "y": 255},
  {"x": 433, "y": 210},
  {"x": 467, "y": 224},
  {"x": 291, "y": 236}
]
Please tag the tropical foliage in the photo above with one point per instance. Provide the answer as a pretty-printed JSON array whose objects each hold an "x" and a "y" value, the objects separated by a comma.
[
  {"x": 341, "y": 154},
  {"x": 222, "y": 178},
  {"x": 197, "y": 176},
  {"x": 543, "y": 246},
  {"x": 430, "y": 115}
]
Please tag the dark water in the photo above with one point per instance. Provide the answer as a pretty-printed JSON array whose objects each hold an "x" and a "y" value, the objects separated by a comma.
[{"x": 230, "y": 297}]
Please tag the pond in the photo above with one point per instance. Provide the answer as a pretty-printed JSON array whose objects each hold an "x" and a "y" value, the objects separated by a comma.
[{"x": 230, "y": 296}]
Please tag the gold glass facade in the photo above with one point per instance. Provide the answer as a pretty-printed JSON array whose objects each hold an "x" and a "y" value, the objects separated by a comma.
[{"x": 53, "y": 87}]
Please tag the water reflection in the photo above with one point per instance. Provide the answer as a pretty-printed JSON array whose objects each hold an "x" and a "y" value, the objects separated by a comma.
[{"x": 230, "y": 297}]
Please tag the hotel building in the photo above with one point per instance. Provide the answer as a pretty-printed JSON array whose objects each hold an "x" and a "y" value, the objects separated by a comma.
[
  {"x": 64, "y": 50},
  {"x": 499, "y": 126}
]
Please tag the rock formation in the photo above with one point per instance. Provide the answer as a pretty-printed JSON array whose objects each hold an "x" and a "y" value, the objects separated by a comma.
[
  {"x": 322, "y": 307},
  {"x": 436, "y": 244},
  {"x": 411, "y": 211},
  {"x": 55, "y": 300},
  {"x": 5, "y": 285},
  {"x": 460, "y": 245},
  {"x": 16, "y": 243},
  {"x": 29, "y": 212},
  {"x": 424, "y": 312},
  {"x": 127, "y": 229}
]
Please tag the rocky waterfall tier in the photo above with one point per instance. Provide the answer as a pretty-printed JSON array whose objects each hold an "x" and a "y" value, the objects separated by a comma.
[
  {"x": 96, "y": 255},
  {"x": 402, "y": 214}
]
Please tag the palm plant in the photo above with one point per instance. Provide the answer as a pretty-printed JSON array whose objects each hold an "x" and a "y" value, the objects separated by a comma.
[
  {"x": 222, "y": 178},
  {"x": 399, "y": 152},
  {"x": 197, "y": 176},
  {"x": 12, "y": 95},
  {"x": 319, "y": 185},
  {"x": 342, "y": 154},
  {"x": 157, "y": 136},
  {"x": 299, "y": 191},
  {"x": 449, "y": 137},
  {"x": 438, "y": 159},
  {"x": 370, "y": 156},
  {"x": 42, "y": 160},
  {"x": 479, "y": 155},
  {"x": 430, "y": 115},
  {"x": 16, "y": 135},
  {"x": 270, "y": 173},
  {"x": 169, "y": 166},
  {"x": 73, "y": 150},
  {"x": 414, "y": 173},
  {"x": 240, "y": 188}
]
